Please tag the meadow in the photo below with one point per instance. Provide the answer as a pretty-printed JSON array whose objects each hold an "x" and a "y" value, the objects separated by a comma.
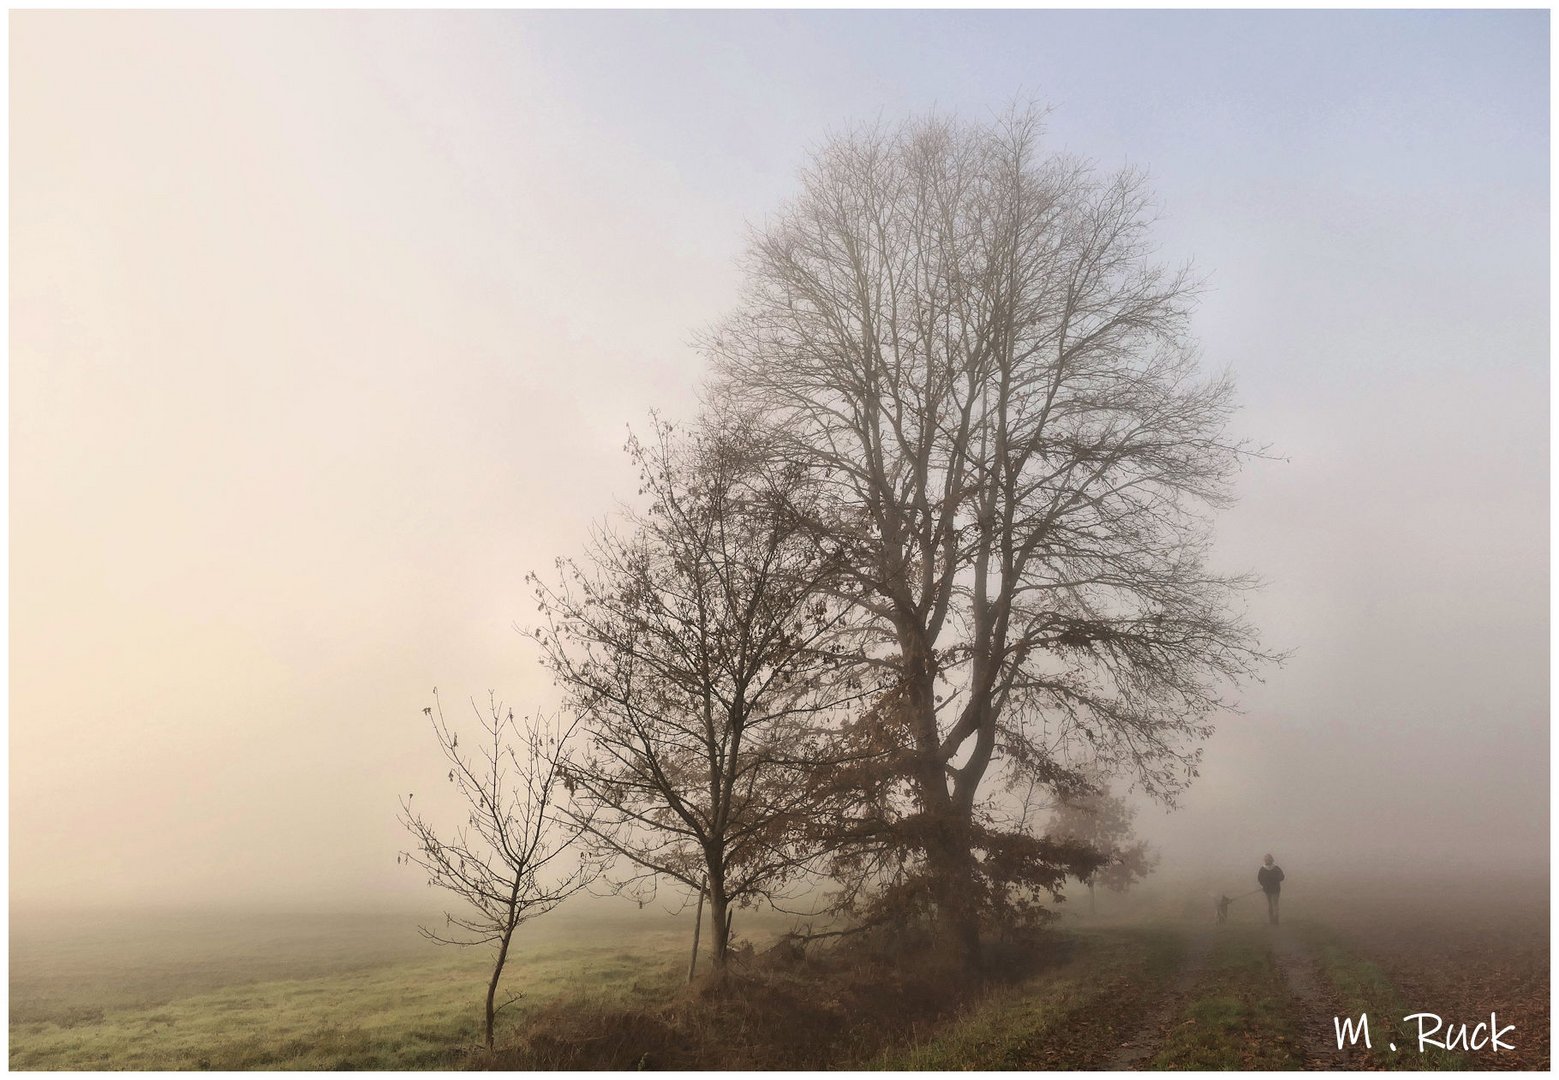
[
  {"x": 257, "y": 990},
  {"x": 1148, "y": 983}
]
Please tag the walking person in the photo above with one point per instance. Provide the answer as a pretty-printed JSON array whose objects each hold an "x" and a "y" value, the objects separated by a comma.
[{"x": 1270, "y": 878}]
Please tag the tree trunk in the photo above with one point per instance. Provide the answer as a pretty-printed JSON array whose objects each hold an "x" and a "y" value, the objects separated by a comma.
[
  {"x": 949, "y": 852},
  {"x": 698, "y": 926},
  {"x": 950, "y": 862},
  {"x": 492, "y": 984},
  {"x": 950, "y": 866},
  {"x": 1092, "y": 909},
  {"x": 719, "y": 925}
]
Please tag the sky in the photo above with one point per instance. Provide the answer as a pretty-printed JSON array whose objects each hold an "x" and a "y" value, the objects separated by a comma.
[{"x": 326, "y": 328}]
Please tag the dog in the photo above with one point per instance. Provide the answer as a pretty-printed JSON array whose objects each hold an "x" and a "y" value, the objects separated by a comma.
[{"x": 1221, "y": 905}]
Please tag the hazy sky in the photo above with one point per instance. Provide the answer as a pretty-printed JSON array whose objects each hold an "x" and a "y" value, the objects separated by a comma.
[{"x": 327, "y": 328}]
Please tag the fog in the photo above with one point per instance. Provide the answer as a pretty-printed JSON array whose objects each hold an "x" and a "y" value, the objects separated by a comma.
[{"x": 327, "y": 328}]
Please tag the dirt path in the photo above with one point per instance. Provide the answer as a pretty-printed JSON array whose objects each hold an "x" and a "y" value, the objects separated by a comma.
[
  {"x": 1143, "y": 1042},
  {"x": 1312, "y": 1002}
]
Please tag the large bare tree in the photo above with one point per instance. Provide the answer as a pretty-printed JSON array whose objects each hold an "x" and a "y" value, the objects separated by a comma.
[
  {"x": 991, "y": 387},
  {"x": 699, "y": 639},
  {"x": 515, "y": 857}
]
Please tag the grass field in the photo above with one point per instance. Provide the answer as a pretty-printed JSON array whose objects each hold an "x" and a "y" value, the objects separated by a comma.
[
  {"x": 255, "y": 991},
  {"x": 1144, "y": 986},
  {"x": 1068, "y": 1016}
]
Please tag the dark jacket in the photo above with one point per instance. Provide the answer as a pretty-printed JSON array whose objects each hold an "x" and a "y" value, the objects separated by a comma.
[{"x": 1270, "y": 878}]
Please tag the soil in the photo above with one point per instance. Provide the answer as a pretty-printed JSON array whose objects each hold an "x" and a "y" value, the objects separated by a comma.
[
  {"x": 1144, "y": 1042},
  {"x": 1462, "y": 955}
]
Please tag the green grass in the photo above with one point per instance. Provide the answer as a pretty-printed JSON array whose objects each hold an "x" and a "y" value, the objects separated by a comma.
[
  {"x": 1362, "y": 987},
  {"x": 411, "y": 1015},
  {"x": 329, "y": 992},
  {"x": 1241, "y": 1015},
  {"x": 1060, "y": 1018},
  {"x": 340, "y": 996}
]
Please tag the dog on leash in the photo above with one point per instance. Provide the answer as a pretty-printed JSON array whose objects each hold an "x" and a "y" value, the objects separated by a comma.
[{"x": 1221, "y": 905}]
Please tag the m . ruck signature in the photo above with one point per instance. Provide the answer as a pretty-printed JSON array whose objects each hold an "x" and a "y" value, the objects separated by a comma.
[{"x": 1480, "y": 1036}]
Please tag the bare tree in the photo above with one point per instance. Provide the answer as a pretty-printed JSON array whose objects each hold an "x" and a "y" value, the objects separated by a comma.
[
  {"x": 701, "y": 646},
  {"x": 510, "y": 861},
  {"x": 993, "y": 393},
  {"x": 1101, "y": 822}
]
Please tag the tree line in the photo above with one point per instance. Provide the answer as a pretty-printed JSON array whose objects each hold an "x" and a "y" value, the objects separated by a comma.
[{"x": 934, "y": 552}]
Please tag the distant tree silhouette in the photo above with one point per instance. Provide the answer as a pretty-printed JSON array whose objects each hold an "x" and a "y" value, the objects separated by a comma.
[
  {"x": 1102, "y": 823},
  {"x": 513, "y": 858}
]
